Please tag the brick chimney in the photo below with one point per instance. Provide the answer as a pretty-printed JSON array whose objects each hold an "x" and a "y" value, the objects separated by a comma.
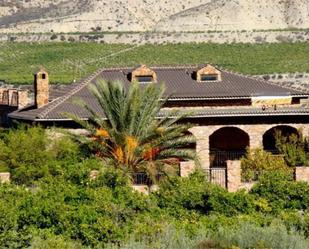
[{"x": 41, "y": 87}]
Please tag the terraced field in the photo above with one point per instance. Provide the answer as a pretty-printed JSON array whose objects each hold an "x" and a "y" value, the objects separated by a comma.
[{"x": 67, "y": 62}]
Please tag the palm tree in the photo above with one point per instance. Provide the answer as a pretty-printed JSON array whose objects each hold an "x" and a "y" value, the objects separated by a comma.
[{"x": 132, "y": 136}]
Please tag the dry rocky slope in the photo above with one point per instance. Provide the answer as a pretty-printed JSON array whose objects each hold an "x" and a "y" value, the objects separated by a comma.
[{"x": 150, "y": 15}]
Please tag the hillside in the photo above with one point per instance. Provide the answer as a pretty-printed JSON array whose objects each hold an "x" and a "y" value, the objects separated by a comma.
[
  {"x": 67, "y": 62},
  {"x": 156, "y": 15}
]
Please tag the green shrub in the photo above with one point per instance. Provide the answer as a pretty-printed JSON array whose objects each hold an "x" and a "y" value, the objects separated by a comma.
[
  {"x": 257, "y": 161},
  {"x": 282, "y": 192},
  {"x": 194, "y": 193},
  {"x": 295, "y": 148},
  {"x": 12, "y": 235},
  {"x": 29, "y": 154},
  {"x": 245, "y": 235}
]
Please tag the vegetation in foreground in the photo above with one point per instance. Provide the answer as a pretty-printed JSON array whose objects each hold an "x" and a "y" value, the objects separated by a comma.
[
  {"x": 53, "y": 203},
  {"x": 69, "y": 61}
]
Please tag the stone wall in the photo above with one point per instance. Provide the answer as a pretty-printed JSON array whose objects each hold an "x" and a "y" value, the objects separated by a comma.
[
  {"x": 234, "y": 182},
  {"x": 302, "y": 174},
  {"x": 255, "y": 132},
  {"x": 13, "y": 97},
  {"x": 5, "y": 177}
]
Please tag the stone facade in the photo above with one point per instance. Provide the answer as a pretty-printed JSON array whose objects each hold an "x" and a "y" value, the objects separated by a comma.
[{"x": 254, "y": 131}]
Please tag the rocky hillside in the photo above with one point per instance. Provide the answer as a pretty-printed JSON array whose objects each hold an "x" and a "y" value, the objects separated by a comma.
[{"x": 151, "y": 15}]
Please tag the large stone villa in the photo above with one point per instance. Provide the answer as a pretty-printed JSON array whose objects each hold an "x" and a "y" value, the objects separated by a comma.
[{"x": 230, "y": 111}]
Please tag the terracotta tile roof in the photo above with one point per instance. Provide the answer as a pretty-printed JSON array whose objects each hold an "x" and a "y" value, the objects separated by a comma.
[{"x": 180, "y": 85}]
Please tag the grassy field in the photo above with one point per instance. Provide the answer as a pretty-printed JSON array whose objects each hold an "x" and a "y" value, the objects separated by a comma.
[{"x": 69, "y": 61}]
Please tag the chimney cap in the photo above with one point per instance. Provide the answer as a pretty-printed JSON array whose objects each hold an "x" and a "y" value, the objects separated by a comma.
[{"x": 41, "y": 69}]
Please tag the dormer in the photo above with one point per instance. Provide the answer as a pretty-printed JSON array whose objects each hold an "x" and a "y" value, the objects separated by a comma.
[
  {"x": 208, "y": 74},
  {"x": 144, "y": 75}
]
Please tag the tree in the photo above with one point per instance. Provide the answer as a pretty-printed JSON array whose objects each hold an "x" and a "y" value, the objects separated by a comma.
[
  {"x": 294, "y": 147},
  {"x": 131, "y": 135}
]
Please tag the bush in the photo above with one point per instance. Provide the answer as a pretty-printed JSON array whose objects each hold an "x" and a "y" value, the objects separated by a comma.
[
  {"x": 257, "y": 161},
  {"x": 295, "y": 149},
  {"x": 282, "y": 192},
  {"x": 196, "y": 194},
  {"x": 245, "y": 235},
  {"x": 29, "y": 154}
]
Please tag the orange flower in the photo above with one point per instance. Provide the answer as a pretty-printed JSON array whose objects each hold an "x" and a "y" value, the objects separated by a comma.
[
  {"x": 132, "y": 143},
  {"x": 102, "y": 133},
  {"x": 118, "y": 154},
  {"x": 151, "y": 153}
]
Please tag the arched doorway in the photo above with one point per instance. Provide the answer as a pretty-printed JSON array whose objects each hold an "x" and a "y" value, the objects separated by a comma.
[
  {"x": 228, "y": 143},
  {"x": 269, "y": 137}
]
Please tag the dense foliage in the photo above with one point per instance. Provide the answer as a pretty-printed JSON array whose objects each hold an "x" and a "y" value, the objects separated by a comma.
[
  {"x": 294, "y": 147},
  {"x": 258, "y": 161},
  {"x": 69, "y": 61},
  {"x": 64, "y": 208}
]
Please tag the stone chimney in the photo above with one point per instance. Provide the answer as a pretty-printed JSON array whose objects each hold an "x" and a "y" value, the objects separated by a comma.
[{"x": 41, "y": 87}]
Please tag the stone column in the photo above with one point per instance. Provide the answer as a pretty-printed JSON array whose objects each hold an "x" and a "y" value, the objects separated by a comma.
[
  {"x": 256, "y": 133},
  {"x": 302, "y": 174},
  {"x": 233, "y": 175},
  {"x": 22, "y": 99},
  {"x": 202, "y": 150},
  {"x": 201, "y": 134}
]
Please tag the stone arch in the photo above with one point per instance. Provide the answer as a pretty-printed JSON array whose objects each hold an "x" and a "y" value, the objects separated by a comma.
[
  {"x": 227, "y": 143},
  {"x": 269, "y": 140}
]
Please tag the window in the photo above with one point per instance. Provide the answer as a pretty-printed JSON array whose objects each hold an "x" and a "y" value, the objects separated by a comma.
[
  {"x": 43, "y": 76},
  {"x": 209, "y": 77},
  {"x": 144, "y": 79}
]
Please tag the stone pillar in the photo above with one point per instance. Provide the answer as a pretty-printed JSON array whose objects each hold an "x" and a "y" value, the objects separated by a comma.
[
  {"x": 256, "y": 133},
  {"x": 5, "y": 97},
  {"x": 186, "y": 168},
  {"x": 302, "y": 174},
  {"x": 5, "y": 177},
  {"x": 22, "y": 98},
  {"x": 13, "y": 97},
  {"x": 233, "y": 175},
  {"x": 201, "y": 134}
]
